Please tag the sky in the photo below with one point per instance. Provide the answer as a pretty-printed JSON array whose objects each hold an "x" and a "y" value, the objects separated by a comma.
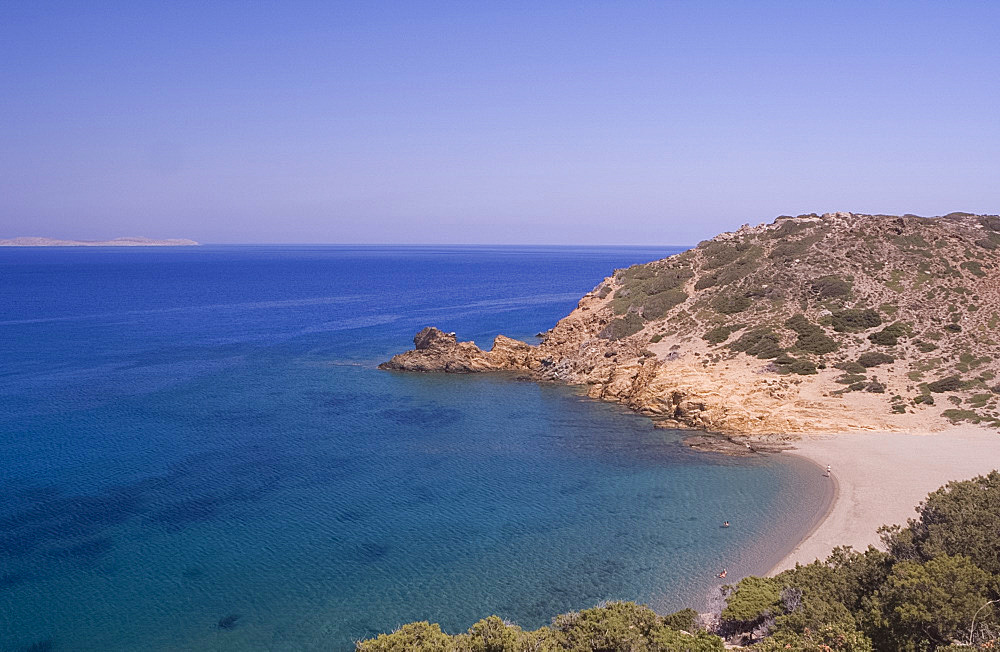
[{"x": 489, "y": 122}]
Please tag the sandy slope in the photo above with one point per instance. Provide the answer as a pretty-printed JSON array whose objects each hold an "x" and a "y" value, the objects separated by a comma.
[{"x": 881, "y": 477}]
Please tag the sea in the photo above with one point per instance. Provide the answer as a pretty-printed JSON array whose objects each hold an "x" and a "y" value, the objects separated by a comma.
[{"x": 198, "y": 452}]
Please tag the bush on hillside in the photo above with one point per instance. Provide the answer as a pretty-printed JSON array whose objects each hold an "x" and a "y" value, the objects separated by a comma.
[
  {"x": 830, "y": 287},
  {"x": 947, "y": 384},
  {"x": 621, "y": 327},
  {"x": 730, "y": 304},
  {"x": 812, "y": 338},
  {"x": 853, "y": 320},
  {"x": 874, "y": 359},
  {"x": 760, "y": 342},
  {"x": 889, "y": 336},
  {"x": 717, "y": 335}
]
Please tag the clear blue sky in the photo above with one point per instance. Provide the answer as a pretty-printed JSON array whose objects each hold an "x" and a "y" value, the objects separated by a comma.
[{"x": 489, "y": 122}]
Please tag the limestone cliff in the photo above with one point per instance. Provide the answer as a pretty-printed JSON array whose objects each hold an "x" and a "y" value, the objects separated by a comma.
[{"x": 832, "y": 323}]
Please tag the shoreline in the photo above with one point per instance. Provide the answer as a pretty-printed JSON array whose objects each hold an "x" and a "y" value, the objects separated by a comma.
[{"x": 881, "y": 478}]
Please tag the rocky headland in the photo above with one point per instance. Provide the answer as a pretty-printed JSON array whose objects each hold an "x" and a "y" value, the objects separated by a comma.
[{"x": 812, "y": 324}]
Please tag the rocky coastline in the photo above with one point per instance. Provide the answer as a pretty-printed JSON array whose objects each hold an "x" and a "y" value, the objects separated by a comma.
[{"x": 669, "y": 339}]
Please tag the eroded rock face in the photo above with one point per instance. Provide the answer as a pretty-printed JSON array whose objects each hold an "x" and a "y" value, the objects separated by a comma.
[
  {"x": 439, "y": 351},
  {"x": 815, "y": 324}
]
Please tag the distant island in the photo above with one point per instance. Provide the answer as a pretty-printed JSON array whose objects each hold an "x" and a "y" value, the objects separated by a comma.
[{"x": 117, "y": 242}]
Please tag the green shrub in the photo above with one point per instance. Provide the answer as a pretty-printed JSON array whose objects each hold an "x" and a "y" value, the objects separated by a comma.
[
  {"x": 948, "y": 384},
  {"x": 685, "y": 619},
  {"x": 717, "y": 254},
  {"x": 850, "y": 379},
  {"x": 974, "y": 267},
  {"x": 831, "y": 287},
  {"x": 933, "y": 600},
  {"x": 658, "y": 305},
  {"x": 730, "y": 304},
  {"x": 853, "y": 320},
  {"x": 753, "y": 599},
  {"x": 812, "y": 337},
  {"x": 717, "y": 335},
  {"x": 874, "y": 359},
  {"x": 802, "y": 367},
  {"x": 630, "y": 324},
  {"x": 656, "y": 338},
  {"x": 413, "y": 637},
  {"x": 953, "y": 328},
  {"x": 760, "y": 342},
  {"x": 875, "y": 387},
  {"x": 889, "y": 336},
  {"x": 850, "y": 367}
]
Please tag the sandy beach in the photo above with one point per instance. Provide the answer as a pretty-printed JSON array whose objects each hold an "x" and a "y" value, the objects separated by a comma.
[{"x": 881, "y": 477}]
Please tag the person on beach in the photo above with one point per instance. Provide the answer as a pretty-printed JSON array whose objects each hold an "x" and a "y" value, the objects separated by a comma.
[
  {"x": 827, "y": 471},
  {"x": 722, "y": 575},
  {"x": 725, "y": 524}
]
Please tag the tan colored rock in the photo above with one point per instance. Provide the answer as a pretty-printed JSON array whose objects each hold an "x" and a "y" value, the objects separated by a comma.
[
  {"x": 439, "y": 351},
  {"x": 933, "y": 275}
]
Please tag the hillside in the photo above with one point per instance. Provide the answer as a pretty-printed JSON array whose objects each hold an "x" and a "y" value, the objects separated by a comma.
[{"x": 832, "y": 323}]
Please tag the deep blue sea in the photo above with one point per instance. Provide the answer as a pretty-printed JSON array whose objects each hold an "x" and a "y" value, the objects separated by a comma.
[{"x": 197, "y": 452}]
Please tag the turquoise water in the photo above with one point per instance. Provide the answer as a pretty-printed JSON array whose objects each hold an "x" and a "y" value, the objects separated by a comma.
[{"x": 198, "y": 453}]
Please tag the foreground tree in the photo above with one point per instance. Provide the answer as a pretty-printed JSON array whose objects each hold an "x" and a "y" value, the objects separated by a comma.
[{"x": 923, "y": 605}]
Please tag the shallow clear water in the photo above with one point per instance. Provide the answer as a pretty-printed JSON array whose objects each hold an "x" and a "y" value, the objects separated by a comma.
[{"x": 188, "y": 435}]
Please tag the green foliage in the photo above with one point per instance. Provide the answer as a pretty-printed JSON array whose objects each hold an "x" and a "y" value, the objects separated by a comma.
[
  {"x": 853, "y": 320},
  {"x": 812, "y": 337},
  {"x": 656, "y": 338},
  {"x": 851, "y": 367},
  {"x": 659, "y": 304},
  {"x": 974, "y": 267},
  {"x": 830, "y": 287},
  {"x": 803, "y": 367},
  {"x": 717, "y": 335},
  {"x": 414, "y": 637},
  {"x": 730, "y": 304},
  {"x": 828, "y": 638},
  {"x": 874, "y": 359},
  {"x": 491, "y": 635},
  {"x": 621, "y": 327},
  {"x": 717, "y": 254},
  {"x": 875, "y": 387},
  {"x": 889, "y": 336},
  {"x": 624, "y": 626},
  {"x": 760, "y": 342},
  {"x": 685, "y": 619},
  {"x": 956, "y": 415},
  {"x": 616, "y": 626},
  {"x": 933, "y": 600},
  {"x": 953, "y": 328},
  {"x": 753, "y": 599},
  {"x": 960, "y": 518},
  {"x": 948, "y": 384},
  {"x": 652, "y": 289},
  {"x": 850, "y": 379}
]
